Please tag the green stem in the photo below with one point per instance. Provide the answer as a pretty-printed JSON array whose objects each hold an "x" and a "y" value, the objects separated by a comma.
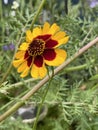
[
  {"x": 40, "y": 106},
  {"x": 79, "y": 67},
  {"x": 22, "y": 6},
  {"x": 6, "y": 74},
  {"x": 1, "y": 15},
  {"x": 8, "y": 71},
  {"x": 39, "y": 9},
  {"x": 16, "y": 85},
  {"x": 46, "y": 79},
  {"x": 2, "y": 23}
]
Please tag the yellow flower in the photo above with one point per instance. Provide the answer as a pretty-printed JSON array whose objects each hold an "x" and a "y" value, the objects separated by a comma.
[{"x": 40, "y": 49}]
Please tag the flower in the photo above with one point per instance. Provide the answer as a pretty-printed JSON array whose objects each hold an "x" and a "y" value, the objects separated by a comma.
[
  {"x": 11, "y": 46},
  {"x": 8, "y": 47},
  {"x": 41, "y": 49},
  {"x": 5, "y": 48},
  {"x": 15, "y": 5},
  {"x": 93, "y": 3},
  {"x": 13, "y": 13}
]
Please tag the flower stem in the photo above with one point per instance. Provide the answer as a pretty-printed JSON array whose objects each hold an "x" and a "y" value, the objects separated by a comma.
[
  {"x": 40, "y": 106},
  {"x": 79, "y": 67},
  {"x": 1, "y": 13},
  {"x": 9, "y": 68},
  {"x": 39, "y": 9},
  {"x": 43, "y": 81}
]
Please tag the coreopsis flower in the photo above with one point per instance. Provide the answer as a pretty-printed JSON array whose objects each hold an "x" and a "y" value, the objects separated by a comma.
[{"x": 41, "y": 49}]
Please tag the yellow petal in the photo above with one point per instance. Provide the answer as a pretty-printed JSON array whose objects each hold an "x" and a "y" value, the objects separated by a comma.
[
  {"x": 46, "y": 28},
  {"x": 53, "y": 29},
  {"x": 59, "y": 59},
  {"x": 63, "y": 41},
  {"x": 23, "y": 46},
  {"x": 38, "y": 72},
  {"x": 29, "y": 36},
  {"x": 37, "y": 31},
  {"x": 16, "y": 63},
  {"x": 20, "y": 54},
  {"x": 58, "y": 35},
  {"x": 22, "y": 67},
  {"x": 25, "y": 72}
]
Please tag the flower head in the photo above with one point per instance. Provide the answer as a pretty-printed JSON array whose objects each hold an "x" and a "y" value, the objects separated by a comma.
[
  {"x": 15, "y": 5},
  {"x": 41, "y": 49},
  {"x": 93, "y": 3},
  {"x": 5, "y": 47},
  {"x": 8, "y": 47},
  {"x": 11, "y": 46}
]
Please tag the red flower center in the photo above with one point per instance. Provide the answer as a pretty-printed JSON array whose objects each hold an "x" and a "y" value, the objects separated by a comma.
[{"x": 36, "y": 47}]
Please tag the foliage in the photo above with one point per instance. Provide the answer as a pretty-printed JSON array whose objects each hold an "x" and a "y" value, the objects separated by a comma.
[{"x": 72, "y": 98}]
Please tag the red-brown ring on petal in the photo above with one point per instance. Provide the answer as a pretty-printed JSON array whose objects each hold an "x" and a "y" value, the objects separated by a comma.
[
  {"x": 44, "y": 37},
  {"x": 38, "y": 61},
  {"x": 26, "y": 55},
  {"x": 49, "y": 54},
  {"x": 51, "y": 43},
  {"x": 29, "y": 61}
]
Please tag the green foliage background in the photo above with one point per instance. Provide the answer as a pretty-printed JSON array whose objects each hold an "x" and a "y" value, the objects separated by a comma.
[{"x": 72, "y": 99}]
